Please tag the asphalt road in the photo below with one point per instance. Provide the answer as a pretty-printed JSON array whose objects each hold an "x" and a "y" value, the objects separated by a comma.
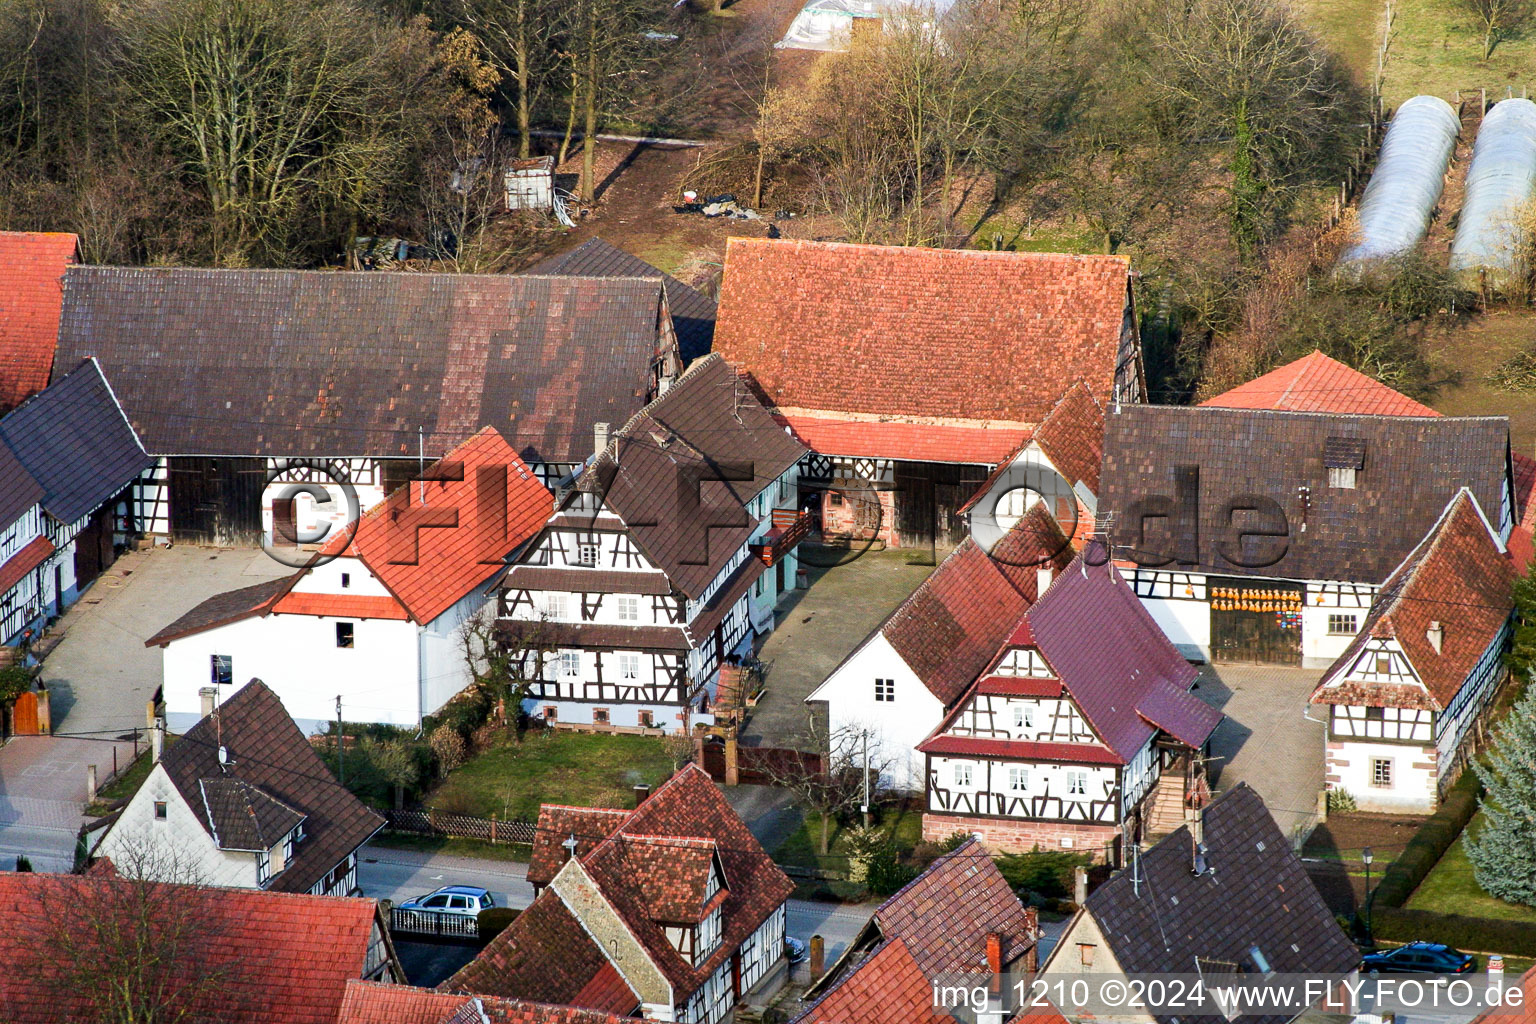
[{"x": 398, "y": 875}]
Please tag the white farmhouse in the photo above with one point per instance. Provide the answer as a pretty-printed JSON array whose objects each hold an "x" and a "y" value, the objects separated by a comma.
[
  {"x": 665, "y": 557},
  {"x": 1403, "y": 700},
  {"x": 243, "y": 800},
  {"x": 376, "y": 619}
]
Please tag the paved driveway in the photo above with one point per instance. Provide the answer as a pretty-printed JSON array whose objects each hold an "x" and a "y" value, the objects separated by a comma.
[
  {"x": 99, "y": 677},
  {"x": 1265, "y": 740},
  {"x": 817, "y": 628}
]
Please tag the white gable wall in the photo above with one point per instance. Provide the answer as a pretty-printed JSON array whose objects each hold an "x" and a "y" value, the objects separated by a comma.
[
  {"x": 178, "y": 843},
  {"x": 297, "y": 656},
  {"x": 896, "y": 727}
]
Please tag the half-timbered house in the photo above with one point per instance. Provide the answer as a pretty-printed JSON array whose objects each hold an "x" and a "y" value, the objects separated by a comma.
[
  {"x": 666, "y": 556},
  {"x": 379, "y": 612},
  {"x": 73, "y": 440},
  {"x": 902, "y": 679},
  {"x": 672, "y": 909},
  {"x": 1070, "y": 728},
  {"x": 827, "y": 333},
  {"x": 1264, "y": 535},
  {"x": 247, "y": 385},
  {"x": 1405, "y": 697}
]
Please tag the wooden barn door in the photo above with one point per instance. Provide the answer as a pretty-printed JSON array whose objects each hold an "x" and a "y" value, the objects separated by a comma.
[
  {"x": 24, "y": 716},
  {"x": 1255, "y": 621},
  {"x": 217, "y": 500}
]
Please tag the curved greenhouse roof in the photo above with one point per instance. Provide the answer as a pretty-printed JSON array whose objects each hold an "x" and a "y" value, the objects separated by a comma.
[
  {"x": 1501, "y": 179},
  {"x": 1409, "y": 177}
]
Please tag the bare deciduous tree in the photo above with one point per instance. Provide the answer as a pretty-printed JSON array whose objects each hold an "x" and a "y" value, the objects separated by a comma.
[
  {"x": 852, "y": 763},
  {"x": 1499, "y": 19}
]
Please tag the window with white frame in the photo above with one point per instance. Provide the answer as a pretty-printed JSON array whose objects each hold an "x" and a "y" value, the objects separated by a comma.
[
  {"x": 885, "y": 690},
  {"x": 570, "y": 664},
  {"x": 1342, "y": 625},
  {"x": 629, "y": 665},
  {"x": 1023, "y": 716},
  {"x": 1381, "y": 772},
  {"x": 962, "y": 774},
  {"x": 1018, "y": 779},
  {"x": 1077, "y": 783},
  {"x": 554, "y": 606},
  {"x": 629, "y": 608},
  {"x": 587, "y": 553},
  {"x": 263, "y": 867}
]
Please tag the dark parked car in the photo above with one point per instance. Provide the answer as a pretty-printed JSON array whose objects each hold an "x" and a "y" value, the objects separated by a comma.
[{"x": 1419, "y": 958}]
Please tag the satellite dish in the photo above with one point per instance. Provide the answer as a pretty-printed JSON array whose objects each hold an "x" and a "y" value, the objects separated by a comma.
[{"x": 223, "y": 755}]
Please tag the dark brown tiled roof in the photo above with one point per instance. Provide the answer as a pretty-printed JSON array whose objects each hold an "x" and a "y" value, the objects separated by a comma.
[
  {"x": 945, "y": 914},
  {"x": 558, "y": 824},
  {"x": 545, "y": 956},
  {"x": 222, "y": 609},
  {"x": 681, "y": 472},
  {"x": 241, "y": 956},
  {"x": 268, "y": 751},
  {"x": 594, "y": 635},
  {"x": 953, "y": 624},
  {"x": 860, "y": 328},
  {"x": 314, "y": 363},
  {"x": 73, "y": 439},
  {"x": 19, "y": 490},
  {"x": 1412, "y": 467},
  {"x": 1159, "y": 919},
  {"x": 1458, "y": 577},
  {"x": 373, "y": 1002},
  {"x": 693, "y": 312},
  {"x": 586, "y": 581},
  {"x": 245, "y": 817}
]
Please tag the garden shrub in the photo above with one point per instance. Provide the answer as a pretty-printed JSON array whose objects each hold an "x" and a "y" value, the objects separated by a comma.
[
  {"x": 1472, "y": 934},
  {"x": 1341, "y": 801},
  {"x": 1046, "y": 872},
  {"x": 495, "y": 920},
  {"x": 15, "y": 680},
  {"x": 465, "y": 713},
  {"x": 1438, "y": 833},
  {"x": 885, "y": 874}
]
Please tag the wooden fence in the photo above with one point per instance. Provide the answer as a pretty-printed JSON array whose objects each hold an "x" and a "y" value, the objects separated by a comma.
[{"x": 462, "y": 826}]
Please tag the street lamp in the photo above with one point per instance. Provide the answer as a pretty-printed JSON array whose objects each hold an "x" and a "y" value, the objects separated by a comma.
[{"x": 1367, "y": 857}]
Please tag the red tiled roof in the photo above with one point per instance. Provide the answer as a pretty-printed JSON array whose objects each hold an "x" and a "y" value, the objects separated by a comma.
[
  {"x": 1033, "y": 543},
  {"x": 1458, "y": 577},
  {"x": 1018, "y": 686},
  {"x": 952, "y": 625},
  {"x": 428, "y": 568},
  {"x": 887, "y": 987},
  {"x": 676, "y": 873},
  {"x": 29, "y": 309},
  {"x": 557, "y": 824},
  {"x": 344, "y": 606},
  {"x": 1318, "y": 383},
  {"x": 1072, "y": 436},
  {"x": 32, "y": 555},
  {"x": 686, "y": 813},
  {"x": 862, "y": 328},
  {"x": 915, "y": 442},
  {"x": 238, "y": 955},
  {"x": 1018, "y": 750},
  {"x": 1522, "y": 539},
  {"x": 1511, "y": 1012},
  {"x": 373, "y": 1002}
]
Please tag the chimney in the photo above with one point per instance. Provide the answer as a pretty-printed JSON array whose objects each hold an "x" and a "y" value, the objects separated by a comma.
[
  {"x": 993, "y": 1013},
  {"x": 1043, "y": 576},
  {"x": 1080, "y": 885},
  {"x": 1032, "y": 930},
  {"x": 206, "y": 696},
  {"x": 994, "y": 953},
  {"x": 641, "y": 792},
  {"x": 1436, "y": 635},
  {"x": 599, "y": 438},
  {"x": 157, "y": 740}
]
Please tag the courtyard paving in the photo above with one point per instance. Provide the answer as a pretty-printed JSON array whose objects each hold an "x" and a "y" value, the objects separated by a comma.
[
  {"x": 816, "y": 628},
  {"x": 1267, "y": 740}
]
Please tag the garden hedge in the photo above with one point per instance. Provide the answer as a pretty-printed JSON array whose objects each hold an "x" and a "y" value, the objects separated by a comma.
[
  {"x": 1474, "y": 934},
  {"x": 495, "y": 920},
  {"x": 1429, "y": 843}
]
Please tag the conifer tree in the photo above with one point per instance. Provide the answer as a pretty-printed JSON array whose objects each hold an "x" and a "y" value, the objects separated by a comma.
[
  {"x": 1521, "y": 658},
  {"x": 1502, "y": 851}
]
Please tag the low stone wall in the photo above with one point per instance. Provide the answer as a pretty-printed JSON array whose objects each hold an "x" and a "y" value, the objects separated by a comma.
[{"x": 1001, "y": 836}]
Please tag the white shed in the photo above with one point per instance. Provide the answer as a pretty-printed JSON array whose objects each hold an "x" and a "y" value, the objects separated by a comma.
[{"x": 531, "y": 183}]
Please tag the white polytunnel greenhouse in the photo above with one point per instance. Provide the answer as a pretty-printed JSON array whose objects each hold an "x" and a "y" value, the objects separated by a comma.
[
  {"x": 1401, "y": 196},
  {"x": 828, "y": 24},
  {"x": 1499, "y": 183}
]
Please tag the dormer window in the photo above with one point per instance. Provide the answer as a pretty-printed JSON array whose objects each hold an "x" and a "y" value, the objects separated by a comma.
[
  {"x": 1343, "y": 457},
  {"x": 709, "y": 933},
  {"x": 263, "y": 867}
]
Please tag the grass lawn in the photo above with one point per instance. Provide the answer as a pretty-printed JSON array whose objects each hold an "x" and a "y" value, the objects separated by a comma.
[
  {"x": 585, "y": 769},
  {"x": 1451, "y": 889},
  {"x": 1476, "y": 349},
  {"x": 1352, "y": 28},
  {"x": 802, "y": 846},
  {"x": 1437, "y": 49},
  {"x": 126, "y": 784}
]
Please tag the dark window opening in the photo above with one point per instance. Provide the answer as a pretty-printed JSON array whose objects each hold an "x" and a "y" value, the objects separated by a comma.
[{"x": 344, "y": 634}]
